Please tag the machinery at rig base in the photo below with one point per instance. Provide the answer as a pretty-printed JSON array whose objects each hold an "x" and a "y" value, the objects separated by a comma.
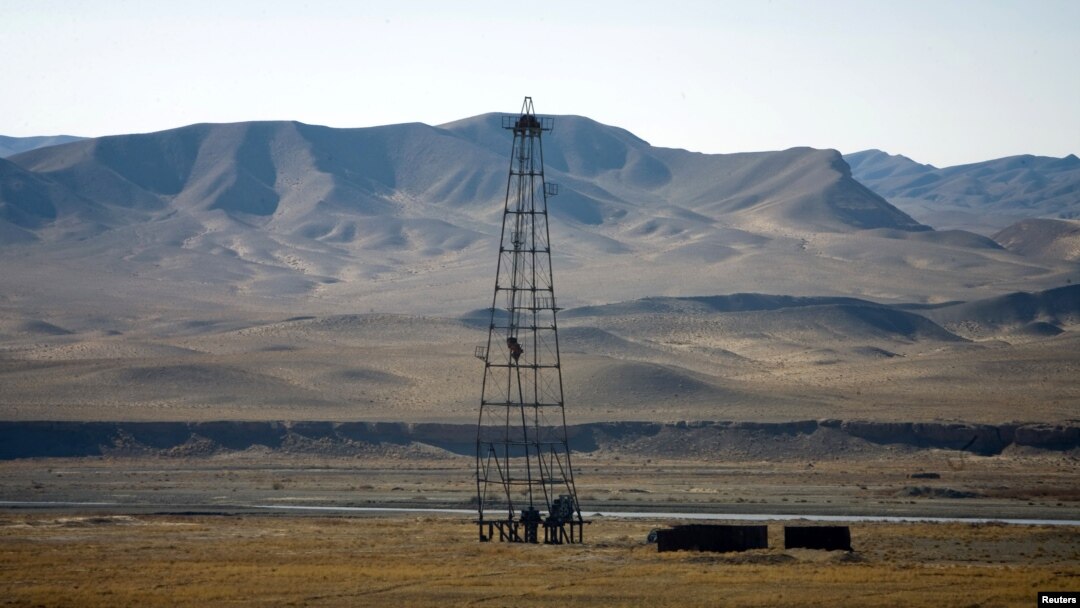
[{"x": 524, "y": 479}]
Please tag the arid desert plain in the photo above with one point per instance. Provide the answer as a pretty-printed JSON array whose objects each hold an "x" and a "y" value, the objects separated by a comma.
[{"x": 236, "y": 368}]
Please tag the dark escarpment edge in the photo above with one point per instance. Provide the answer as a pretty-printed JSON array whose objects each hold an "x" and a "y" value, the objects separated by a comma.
[{"x": 735, "y": 440}]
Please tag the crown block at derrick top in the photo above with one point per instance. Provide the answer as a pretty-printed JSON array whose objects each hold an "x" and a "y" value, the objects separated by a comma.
[{"x": 528, "y": 123}]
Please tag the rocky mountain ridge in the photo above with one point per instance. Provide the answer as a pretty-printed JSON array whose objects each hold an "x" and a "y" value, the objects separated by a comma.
[
  {"x": 284, "y": 215},
  {"x": 983, "y": 197}
]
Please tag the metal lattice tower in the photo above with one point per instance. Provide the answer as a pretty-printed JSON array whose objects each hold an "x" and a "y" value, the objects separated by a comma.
[{"x": 524, "y": 480}]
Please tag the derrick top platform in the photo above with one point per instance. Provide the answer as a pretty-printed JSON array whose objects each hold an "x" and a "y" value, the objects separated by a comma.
[{"x": 528, "y": 123}]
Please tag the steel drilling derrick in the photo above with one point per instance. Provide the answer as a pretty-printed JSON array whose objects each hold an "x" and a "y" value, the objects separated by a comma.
[{"x": 524, "y": 479}]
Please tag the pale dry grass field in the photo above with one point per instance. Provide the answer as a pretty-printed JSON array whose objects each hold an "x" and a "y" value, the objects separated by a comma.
[
  {"x": 191, "y": 532},
  {"x": 926, "y": 483},
  {"x": 48, "y": 560}
]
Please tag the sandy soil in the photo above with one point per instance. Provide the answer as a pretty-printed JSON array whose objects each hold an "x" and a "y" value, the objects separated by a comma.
[{"x": 638, "y": 367}]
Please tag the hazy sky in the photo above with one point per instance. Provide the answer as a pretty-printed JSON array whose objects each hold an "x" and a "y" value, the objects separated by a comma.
[{"x": 944, "y": 82}]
